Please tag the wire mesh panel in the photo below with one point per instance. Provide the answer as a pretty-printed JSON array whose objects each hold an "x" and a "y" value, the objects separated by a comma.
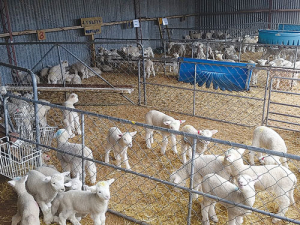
[
  {"x": 147, "y": 189},
  {"x": 16, "y": 161},
  {"x": 144, "y": 163}
]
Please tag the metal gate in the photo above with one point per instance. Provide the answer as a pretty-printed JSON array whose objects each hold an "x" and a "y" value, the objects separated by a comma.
[{"x": 283, "y": 108}]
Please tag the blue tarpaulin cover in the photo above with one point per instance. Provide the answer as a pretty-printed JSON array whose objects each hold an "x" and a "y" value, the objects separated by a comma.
[{"x": 224, "y": 75}]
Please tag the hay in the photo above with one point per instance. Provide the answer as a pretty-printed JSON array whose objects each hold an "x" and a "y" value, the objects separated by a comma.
[{"x": 148, "y": 200}]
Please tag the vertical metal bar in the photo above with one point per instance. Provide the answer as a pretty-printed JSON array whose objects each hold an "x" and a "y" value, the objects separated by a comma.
[
  {"x": 268, "y": 107},
  {"x": 139, "y": 82},
  {"x": 240, "y": 51},
  {"x": 194, "y": 94},
  {"x": 191, "y": 182},
  {"x": 295, "y": 59},
  {"x": 82, "y": 151},
  {"x": 270, "y": 14},
  {"x": 265, "y": 98},
  {"x": 36, "y": 109},
  {"x": 193, "y": 50},
  {"x": 61, "y": 70},
  {"x": 144, "y": 80},
  {"x": 206, "y": 49},
  {"x": 5, "y": 115}
]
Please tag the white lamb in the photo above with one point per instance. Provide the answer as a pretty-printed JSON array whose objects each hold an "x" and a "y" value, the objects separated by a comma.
[
  {"x": 118, "y": 142},
  {"x": 203, "y": 165},
  {"x": 80, "y": 69},
  {"x": 269, "y": 160},
  {"x": 42, "y": 114},
  {"x": 244, "y": 194},
  {"x": 44, "y": 189},
  {"x": 84, "y": 202},
  {"x": 131, "y": 51},
  {"x": 22, "y": 77},
  {"x": 257, "y": 72},
  {"x": 266, "y": 137},
  {"x": 149, "y": 68},
  {"x": 70, "y": 183},
  {"x": 71, "y": 118},
  {"x": 187, "y": 142},
  {"x": 199, "y": 50},
  {"x": 160, "y": 119},
  {"x": 44, "y": 73},
  {"x": 56, "y": 73},
  {"x": 277, "y": 179},
  {"x": 73, "y": 79},
  {"x": 92, "y": 73},
  {"x": 148, "y": 52},
  {"x": 27, "y": 209},
  {"x": 248, "y": 43},
  {"x": 73, "y": 163}
]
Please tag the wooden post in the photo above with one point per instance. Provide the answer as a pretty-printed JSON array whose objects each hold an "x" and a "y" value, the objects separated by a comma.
[
  {"x": 168, "y": 32},
  {"x": 159, "y": 20},
  {"x": 93, "y": 51}
]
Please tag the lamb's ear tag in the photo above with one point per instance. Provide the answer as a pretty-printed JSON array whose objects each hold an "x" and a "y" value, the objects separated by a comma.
[
  {"x": 236, "y": 188},
  {"x": 58, "y": 133},
  {"x": 17, "y": 178}
]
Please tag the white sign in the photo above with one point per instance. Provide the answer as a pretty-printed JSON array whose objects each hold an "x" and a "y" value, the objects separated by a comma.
[
  {"x": 136, "y": 23},
  {"x": 165, "y": 21}
]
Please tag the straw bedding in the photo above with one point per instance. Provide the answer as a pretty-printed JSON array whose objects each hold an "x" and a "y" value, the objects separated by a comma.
[{"x": 142, "y": 198}]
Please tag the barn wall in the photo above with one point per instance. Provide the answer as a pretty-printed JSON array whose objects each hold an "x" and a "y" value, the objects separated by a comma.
[
  {"x": 220, "y": 17},
  {"x": 214, "y": 14},
  {"x": 47, "y": 14}
]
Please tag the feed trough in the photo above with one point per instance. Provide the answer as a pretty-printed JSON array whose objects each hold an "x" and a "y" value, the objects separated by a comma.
[
  {"x": 230, "y": 76},
  {"x": 281, "y": 37}
]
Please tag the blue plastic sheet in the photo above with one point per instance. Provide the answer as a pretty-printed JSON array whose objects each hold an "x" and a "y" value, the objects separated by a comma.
[{"x": 222, "y": 75}]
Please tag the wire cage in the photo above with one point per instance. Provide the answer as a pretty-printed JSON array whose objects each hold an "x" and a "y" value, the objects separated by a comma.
[
  {"x": 23, "y": 125},
  {"x": 16, "y": 161},
  {"x": 27, "y": 132},
  {"x": 46, "y": 137}
]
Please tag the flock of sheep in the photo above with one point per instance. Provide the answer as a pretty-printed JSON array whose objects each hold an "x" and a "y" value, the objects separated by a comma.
[
  {"x": 61, "y": 198},
  {"x": 229, "y": 49},
  {"x": 226, "y": 177}
]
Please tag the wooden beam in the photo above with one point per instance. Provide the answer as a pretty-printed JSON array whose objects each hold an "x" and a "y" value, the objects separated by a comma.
[
  {"x": 25, "y": 32},
  {"x": 72, "y": 89}
]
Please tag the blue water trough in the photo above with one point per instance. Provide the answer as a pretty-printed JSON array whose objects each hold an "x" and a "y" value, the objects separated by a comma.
[
  {"x": 280, "y": 37},
  {"x": 228, "y": 76}
]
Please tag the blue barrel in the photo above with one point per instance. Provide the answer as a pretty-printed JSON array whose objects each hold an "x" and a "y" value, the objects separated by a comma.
[{"x": 279, "y": 37}]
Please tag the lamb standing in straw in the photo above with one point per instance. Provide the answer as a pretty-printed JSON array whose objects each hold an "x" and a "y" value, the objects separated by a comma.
[{"x": 71, "y": 118}]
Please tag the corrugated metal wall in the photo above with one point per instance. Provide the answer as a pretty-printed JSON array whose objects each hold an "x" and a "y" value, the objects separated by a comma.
[
  {"x": 46, "y": 14},
  {"x": 214, "y": 14},
  {"x": 248, "y": 21}
]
